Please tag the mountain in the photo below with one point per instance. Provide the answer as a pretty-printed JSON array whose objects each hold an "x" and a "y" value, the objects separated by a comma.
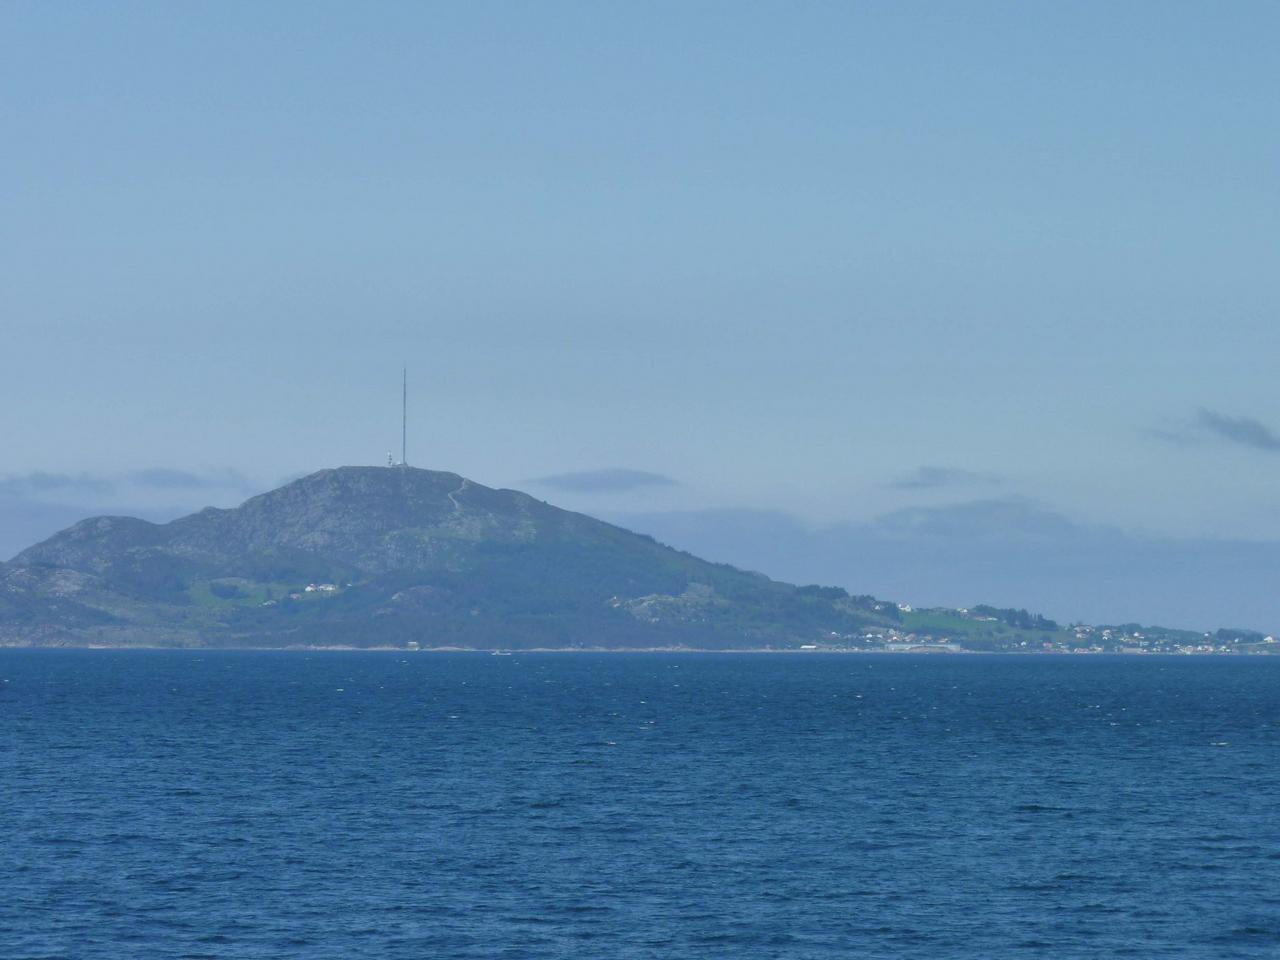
[{"x": 373, "y": 556}]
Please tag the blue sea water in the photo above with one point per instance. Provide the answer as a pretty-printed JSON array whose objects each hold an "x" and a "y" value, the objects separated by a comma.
[{"x": 337, "y": 805}]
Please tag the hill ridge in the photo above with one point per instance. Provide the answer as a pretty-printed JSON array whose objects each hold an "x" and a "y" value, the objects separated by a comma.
[{"x": 401, "y": 555}]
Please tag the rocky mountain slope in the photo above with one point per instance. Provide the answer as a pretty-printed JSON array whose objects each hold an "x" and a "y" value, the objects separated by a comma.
[{"x": 372, "y": 556}]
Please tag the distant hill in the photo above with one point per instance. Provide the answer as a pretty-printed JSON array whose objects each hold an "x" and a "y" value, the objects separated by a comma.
[{"x": 371, "y": 556}]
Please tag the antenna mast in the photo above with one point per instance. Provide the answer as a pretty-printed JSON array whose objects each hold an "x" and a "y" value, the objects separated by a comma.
[{"x": 404, "y": 415}]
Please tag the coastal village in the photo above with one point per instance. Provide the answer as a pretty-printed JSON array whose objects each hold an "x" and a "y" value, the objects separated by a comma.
[
  {"x": 981, "y": 629},
  {"x": 991, "y": 630}
]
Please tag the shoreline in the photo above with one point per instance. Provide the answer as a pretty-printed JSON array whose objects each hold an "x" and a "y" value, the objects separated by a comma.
[{"x": 736, "y": 651}]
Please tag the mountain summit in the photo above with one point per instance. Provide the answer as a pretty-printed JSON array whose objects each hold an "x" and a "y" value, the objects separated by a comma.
[{"x": 374, "y": 556}]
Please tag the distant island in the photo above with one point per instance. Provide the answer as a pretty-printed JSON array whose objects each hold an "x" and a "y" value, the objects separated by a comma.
[{"x": 400, "y": 557}]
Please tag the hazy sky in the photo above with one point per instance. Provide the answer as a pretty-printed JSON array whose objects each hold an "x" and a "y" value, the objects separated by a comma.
[{"x": 837, "y": 260}]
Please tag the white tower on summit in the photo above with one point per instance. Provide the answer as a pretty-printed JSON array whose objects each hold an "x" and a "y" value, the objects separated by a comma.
[{"x": 404, "y": 422}]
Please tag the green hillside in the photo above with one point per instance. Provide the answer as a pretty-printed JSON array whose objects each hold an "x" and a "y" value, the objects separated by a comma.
[{"x": 397, "y": 556}]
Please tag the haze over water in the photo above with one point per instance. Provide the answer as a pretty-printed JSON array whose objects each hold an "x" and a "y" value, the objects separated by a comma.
[{"x": 331, "y": 805}]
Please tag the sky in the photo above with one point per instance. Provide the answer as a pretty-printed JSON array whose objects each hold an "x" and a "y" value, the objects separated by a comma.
[{"x": 850, "y": 267}]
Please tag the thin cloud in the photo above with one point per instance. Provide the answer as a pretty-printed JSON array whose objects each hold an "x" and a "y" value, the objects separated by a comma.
[
  {"x": 932, "y": 478},
  {"x": 40, "y": 483},
  {"x": 1006, "y": 518},
  {"x": 1245, "y": 431},
  {"x": 167, "y": 478},
  {"x": 38, "y": 504},
  {"x": 84, "y": 487},
  {"x": 615, "y": 480}
]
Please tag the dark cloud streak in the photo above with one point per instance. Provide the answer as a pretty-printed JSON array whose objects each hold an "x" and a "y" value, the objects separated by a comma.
[
  {"x": 1209, "y": 426},
  {"x": 1245, "y": 431}
]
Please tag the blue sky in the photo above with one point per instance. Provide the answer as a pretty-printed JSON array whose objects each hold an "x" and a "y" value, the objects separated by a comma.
[{"x": 834, "y": 261}]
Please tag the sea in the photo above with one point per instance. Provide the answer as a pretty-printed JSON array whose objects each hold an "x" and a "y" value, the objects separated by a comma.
[{"x": 184, "y": 804}]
